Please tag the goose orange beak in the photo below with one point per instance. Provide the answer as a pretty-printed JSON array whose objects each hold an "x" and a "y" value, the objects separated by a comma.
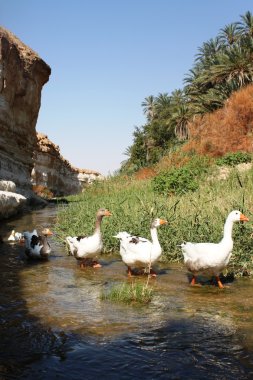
[
  {"x": 47, "y": 232},
  {"x": 108, "y": 213},
  {"x": 243, "y": 218},
  {"x": 163, "y": 221}
]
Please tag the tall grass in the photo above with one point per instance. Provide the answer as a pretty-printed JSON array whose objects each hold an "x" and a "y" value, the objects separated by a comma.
[
  {"x": 132, "y": 203},
  {"x": 129, "y": 293},
  {"x": 196, "y": 216}
]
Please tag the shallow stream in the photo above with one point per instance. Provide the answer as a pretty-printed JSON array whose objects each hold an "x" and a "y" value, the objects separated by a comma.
[{"x": 54, "y": 325}]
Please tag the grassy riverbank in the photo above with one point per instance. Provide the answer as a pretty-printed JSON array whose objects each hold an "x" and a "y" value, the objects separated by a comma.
[{"x": 193, "y": 216}]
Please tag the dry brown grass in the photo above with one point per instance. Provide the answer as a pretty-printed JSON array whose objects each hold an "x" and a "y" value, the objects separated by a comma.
[
  {"x": 229, "y": 129},
  {"x": 145, "y": 173}
]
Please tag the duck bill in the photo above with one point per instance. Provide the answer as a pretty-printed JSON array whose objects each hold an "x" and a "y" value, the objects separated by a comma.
[
  {"x": 47, "y": 232},
  {"x": 244, "y": 218}
]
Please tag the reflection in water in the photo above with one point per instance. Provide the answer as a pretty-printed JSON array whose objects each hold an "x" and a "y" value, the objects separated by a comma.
[{"x": 53, "y": 323}]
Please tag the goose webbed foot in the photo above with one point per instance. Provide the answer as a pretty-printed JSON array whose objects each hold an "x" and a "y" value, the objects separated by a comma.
[
  {"x": 220, "y": 285},
  {"x": 95, "y": 264},
  {"x": 194, "y": 282},
  {"x": 89, "y": 263},
  {"x": 152, "y": 273}
]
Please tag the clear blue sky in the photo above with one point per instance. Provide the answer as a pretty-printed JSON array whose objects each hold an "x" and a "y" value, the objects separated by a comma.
[{"x": 106, "y": 56}]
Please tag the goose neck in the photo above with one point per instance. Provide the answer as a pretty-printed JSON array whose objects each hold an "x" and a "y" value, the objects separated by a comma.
[
  {"x": 154, "y": 236},
  {"x": 228, "y": 228},
  {"x": 98, "y": 225}
]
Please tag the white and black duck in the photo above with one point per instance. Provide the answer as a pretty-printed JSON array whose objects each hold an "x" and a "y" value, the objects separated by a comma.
[{"x": 37, "y": 245}]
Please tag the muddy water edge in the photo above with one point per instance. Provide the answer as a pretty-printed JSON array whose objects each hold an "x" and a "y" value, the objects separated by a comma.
[{"x": 54, "y": 325}]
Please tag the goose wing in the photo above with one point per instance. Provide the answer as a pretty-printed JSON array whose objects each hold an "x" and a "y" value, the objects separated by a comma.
[
  {"x": 28, "y": 237},
  {"x": 135, "y": 249},
  {"x": 201, "y": 256},
  {"x": 72, "y": 245},
  {"x": 81, "y": 246}
]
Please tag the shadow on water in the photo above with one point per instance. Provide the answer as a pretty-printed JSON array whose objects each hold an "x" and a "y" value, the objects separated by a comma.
[{"x": 54, "y": 325}]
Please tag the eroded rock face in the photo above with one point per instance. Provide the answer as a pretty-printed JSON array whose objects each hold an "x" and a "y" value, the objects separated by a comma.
[
  {"x": 55, "y": 173},
  {"x": 22, "y": 76}
]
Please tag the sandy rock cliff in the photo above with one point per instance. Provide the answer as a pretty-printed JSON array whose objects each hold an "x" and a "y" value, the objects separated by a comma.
[
  {"x": 55, "y": 173},
  {"x": 22, "y": 76}
]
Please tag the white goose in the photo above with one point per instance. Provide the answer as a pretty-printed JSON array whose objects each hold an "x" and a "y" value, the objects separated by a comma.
[
  {"x": 37, "y": 246},
  {"x": 140, "y": 252},
  {"x": 211, "y": 258},
  {"x": 86, "y": 248},
  {"x": 15, "y": 236}
]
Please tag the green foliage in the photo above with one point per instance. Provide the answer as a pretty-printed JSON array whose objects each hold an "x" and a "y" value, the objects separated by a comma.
[
  {"x": 175, "y": 181},
  {"x": 200, "y": 165},
  {"x": 181, "y": 180},
  {"x": 133, "y": 205},
  {"x": 232, "y": 159},
  {"x": 129, "y": 293}
]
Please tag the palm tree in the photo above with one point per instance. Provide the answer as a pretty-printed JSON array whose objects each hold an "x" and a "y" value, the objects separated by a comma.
[
  {"x": 127, "y": 151},
  {"x": 208, "y": 51},
  {"x": 229, "y": 34},
  {"x": 162, "y": 105},
  {"x": 234, "y": 65},
  {"x": 177, "y": 97},
  {"x": 179, "y": 120},
  {"x": 149, "y": 107},
  {"x": 192, "y": 89},
  {"x": 209, "y": 101},
  {"x": 191, "y": 76},
  {"x": 246, "y": 26},
  {"x": 162, "y": 100}
]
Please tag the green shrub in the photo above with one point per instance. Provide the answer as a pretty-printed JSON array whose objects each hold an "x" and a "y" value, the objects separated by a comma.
[
  {"x": 232, "y": 159},
  {"x": 181, "y": 180},
  {"x": 200, "y": 165},
  {"x": 175, "y": 181}
]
